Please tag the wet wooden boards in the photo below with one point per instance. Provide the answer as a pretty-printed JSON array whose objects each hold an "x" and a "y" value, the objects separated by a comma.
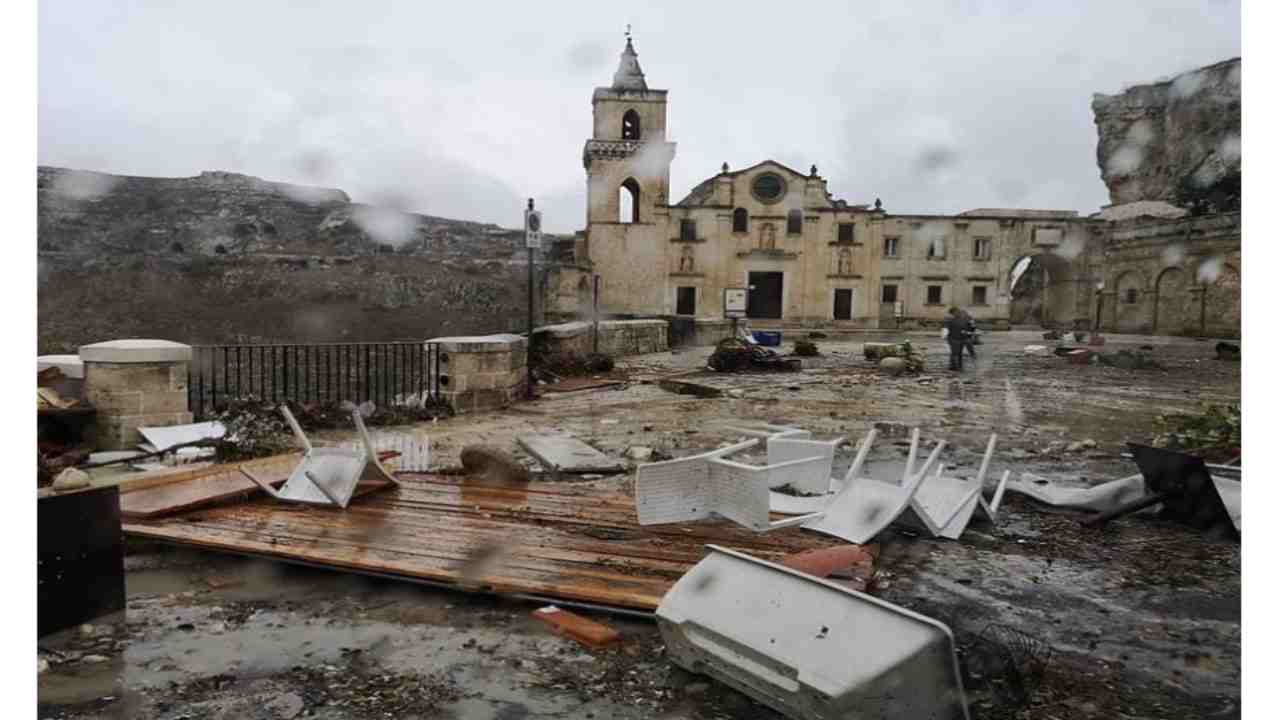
[
  {"x": 216, "y": 484},
  {"x": 574, "y": 542}
]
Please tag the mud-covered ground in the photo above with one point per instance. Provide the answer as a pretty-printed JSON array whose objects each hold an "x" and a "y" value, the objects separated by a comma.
[{"x": 1142, "y": 617}]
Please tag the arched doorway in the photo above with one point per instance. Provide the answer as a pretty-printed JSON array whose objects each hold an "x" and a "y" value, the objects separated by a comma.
[
  {"x": 1171, "y": 303},
  {"x": 1222, "y": 304},
  {"x": 1040, "y": 291}
]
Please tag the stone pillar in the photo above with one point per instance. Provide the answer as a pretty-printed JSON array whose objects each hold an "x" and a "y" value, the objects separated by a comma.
[
  {"x": 483, "y": 372},
  {"x": 135, "y": 383}
]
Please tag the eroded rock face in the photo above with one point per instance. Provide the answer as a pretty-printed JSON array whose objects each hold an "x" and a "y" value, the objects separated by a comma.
[
  {"x": 228, "y": 258},
  {"x": 1177, "y": 140}
]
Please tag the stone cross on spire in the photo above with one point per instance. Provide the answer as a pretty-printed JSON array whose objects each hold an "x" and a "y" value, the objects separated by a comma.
[{"x": 629, "y": 75}]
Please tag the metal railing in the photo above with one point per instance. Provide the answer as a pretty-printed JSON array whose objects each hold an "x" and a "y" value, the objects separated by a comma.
[{"x": 387, "y": 374}]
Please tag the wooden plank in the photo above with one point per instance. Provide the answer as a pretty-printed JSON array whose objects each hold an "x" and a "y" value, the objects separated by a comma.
[
  {"x": 575, "y": 542},
  {"x": 217, "y": 484}
]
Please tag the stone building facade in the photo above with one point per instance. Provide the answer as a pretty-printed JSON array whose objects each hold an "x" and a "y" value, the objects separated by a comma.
[{"x": 808, "y": 259}]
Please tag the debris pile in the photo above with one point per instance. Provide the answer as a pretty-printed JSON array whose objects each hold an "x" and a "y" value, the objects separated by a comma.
[
  {"x": 733, "y": 354},
  {"x": 256, "y": 429},
  {"x": 806, "y": 348},
  {"x": 903, "y": 360},
  {"x": 553, "y": 366},
  {"x": 1130, "y": 360},
  {"x": 1213, "y": 433}
]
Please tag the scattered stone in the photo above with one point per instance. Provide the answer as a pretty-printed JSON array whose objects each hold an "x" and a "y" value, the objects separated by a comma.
[
  {"x": 1082, "y": 445},
  {"x": 492, "y": 464},
  {"x": 42, "y": 666},
  {"x": 639, "y": 453},
  {"x": 71, "y": 479},
  {"x": 893, "y": 365},
  {"x": 95, "y": 659},
  {"x": 805, "y": 348}
]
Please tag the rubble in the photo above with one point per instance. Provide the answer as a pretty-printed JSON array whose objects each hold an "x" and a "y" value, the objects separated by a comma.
[
  {"x": 71, "y": 479},
  {"x": 733, "y": 354},
  {"x": 805, "y": 348},
  {"x": 493, "y": 465}
]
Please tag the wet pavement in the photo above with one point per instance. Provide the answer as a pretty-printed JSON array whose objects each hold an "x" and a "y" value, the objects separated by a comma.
[{"x": 1143, "y": 617}]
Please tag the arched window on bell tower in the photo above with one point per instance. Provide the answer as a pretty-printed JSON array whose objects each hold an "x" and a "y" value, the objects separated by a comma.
[
  {"x": 631, "y": 125},
  {"x": 629, "y": 201}
]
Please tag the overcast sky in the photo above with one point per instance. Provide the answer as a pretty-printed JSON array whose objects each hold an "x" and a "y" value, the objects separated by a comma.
[{"x": 931, "y": 106}]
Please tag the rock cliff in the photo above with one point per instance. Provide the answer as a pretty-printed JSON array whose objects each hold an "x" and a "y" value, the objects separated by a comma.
[
  {"x": 1177, "y": 140},
  {"x": 229, "y": 258}
]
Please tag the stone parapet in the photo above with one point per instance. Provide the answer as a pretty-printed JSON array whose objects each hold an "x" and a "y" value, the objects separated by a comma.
[
  {"x": 481, "y": 372},
  {"x": 618, "y": 338},
  {"x": 135, "y": 383}
]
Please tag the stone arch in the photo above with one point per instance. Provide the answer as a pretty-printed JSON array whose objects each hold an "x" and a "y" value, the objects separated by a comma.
[
  {"x": 631, "y": 125},
  {"x": 1222, "y": 304},
  {"x": 629, "y": 201},
  {"x": 1041, "y": 290},
  {"x": 1171, "y": 303}
]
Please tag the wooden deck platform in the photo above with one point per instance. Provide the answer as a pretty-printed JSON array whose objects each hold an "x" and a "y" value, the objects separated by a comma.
[{"x": 571, "y": 541}]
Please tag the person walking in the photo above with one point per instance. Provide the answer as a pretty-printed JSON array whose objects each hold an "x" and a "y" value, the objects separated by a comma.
[
  {"x": 971, "y": 333},
  {"x": 957, "y": 335}
]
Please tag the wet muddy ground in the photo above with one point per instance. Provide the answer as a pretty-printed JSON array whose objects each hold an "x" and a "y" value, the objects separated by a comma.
[{"x": 1142, "y": 617}]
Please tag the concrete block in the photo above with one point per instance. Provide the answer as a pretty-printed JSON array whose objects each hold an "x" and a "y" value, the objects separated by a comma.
[
  {"x": 136, "y": 351},
  {"x": 480, "y": 343}
]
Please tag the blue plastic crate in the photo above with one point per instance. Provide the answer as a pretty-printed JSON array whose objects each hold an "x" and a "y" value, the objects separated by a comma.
[{"x": 768, "y": 339}]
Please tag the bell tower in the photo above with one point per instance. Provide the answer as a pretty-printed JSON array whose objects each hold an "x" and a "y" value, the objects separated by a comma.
[
  {"x": 628, "y": 155},
  {"x": 628, "y": 164}
]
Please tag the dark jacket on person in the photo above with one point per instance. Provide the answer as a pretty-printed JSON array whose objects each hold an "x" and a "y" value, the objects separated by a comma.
[{"x": 957, "y": 329}]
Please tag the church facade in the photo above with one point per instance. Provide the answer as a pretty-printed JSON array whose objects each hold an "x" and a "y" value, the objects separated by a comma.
[{"x": 806, "y": 258}]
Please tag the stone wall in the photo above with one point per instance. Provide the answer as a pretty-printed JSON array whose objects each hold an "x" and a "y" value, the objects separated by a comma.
[
  {"x": 618, "y": 338},
  {"x": 1172, "y": 277},
  {"x": 483, "y": 372}
]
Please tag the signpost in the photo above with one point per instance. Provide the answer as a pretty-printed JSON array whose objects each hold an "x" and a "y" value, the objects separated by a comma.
[
  {"x": 532, "y": 241},
  {"x": 735, "y": 305}
]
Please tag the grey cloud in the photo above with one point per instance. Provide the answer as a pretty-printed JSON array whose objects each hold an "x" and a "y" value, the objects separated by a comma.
[{"x": 467, "y": 112}]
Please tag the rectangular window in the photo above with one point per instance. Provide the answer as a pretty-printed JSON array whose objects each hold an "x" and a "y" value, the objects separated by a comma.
[
  {"x": 934, "y": 295},
  {"x": 891, "y": 247},
  {"x": 795, "y": 222},
  {"x": 845, "y": 233},
  {"x": 937, "y": 248},
  {"x": 844, "y": 304},
  {"x": 979, "y": 294},
  {"x": 689, "y": 230},
  {"x": 1131, "y": 296},
  {"x": 686, "y": 300},
  {"x": 889, "y": 294},
  {"x": 982, "y": 248}
]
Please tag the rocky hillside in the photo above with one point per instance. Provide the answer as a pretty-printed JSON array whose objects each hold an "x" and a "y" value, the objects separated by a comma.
[
  {"x": 1177, "y": 140},
  {"x": 223, "y": 258}
]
